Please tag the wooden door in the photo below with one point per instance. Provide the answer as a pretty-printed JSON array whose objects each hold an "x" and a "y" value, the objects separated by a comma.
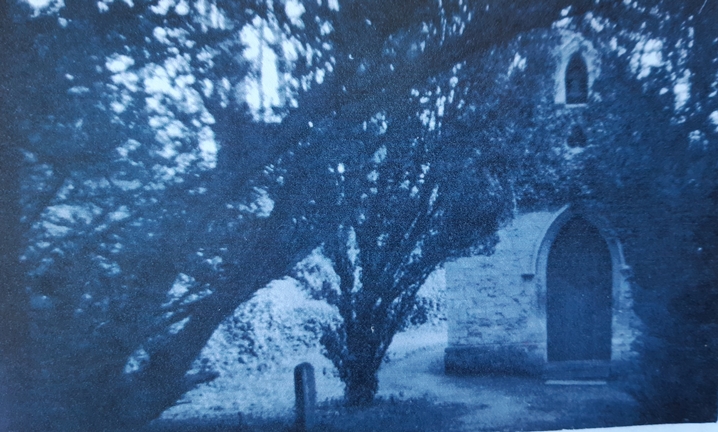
[{"x": 579, "y": 294}]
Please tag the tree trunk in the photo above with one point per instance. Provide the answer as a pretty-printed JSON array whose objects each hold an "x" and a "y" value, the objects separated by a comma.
[
  {"x": 364, "y": 349},
  {"x": 14, "y": 366},
  {"x": 13, "y": 303},
  {"x": 362, "y": 384}
]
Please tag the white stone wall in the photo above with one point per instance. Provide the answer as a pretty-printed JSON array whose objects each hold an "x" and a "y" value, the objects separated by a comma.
[{"x": 490, "y": 302}]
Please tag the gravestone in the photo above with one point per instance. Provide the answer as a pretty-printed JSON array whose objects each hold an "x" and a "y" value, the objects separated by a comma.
[{"x": 306, "y": 396}]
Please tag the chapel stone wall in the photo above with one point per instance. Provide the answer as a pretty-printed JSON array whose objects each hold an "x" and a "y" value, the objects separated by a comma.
[{"x": 495, "y": 319}]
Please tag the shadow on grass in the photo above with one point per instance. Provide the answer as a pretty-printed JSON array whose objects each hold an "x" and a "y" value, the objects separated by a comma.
[
  {"x": 332, "y": 416},
  {"x": 576, "y": 407},
  {"x": 390, "y": 415},
  {"x": 500, "y": 404}
]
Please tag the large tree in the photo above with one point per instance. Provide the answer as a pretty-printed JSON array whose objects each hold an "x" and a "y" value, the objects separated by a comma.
[
  {"x": 143, "y": 172},
  {"x": 164, "y": 183},
  {"x": 430, "y": 180}
]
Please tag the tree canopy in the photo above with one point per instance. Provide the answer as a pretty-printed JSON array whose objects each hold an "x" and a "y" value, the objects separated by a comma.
[{"x": 163, "y": 160}]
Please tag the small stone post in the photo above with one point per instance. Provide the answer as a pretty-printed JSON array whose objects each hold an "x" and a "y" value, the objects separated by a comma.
[{"x": 306, "y": 396}]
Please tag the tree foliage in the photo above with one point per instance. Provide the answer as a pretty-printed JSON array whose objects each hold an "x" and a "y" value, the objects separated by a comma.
[
  {"x": 125, "y": 197},
  {"x": 164, "y": 160},
  {"x": 163, "y": 185}
]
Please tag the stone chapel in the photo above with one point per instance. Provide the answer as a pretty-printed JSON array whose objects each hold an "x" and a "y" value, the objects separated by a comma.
[{"x": 553, "y": 300}]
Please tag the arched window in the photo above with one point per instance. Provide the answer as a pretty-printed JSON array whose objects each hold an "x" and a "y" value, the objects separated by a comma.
[
  {"x": 576, "y": 80},
  {"x": 577, "y": 137}
]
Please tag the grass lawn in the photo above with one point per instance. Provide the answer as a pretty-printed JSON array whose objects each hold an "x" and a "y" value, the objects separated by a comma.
[{"x": 415, "y": 395}]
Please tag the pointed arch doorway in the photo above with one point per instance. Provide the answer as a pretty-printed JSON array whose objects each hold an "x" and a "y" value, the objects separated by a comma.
[{"x": 578, "y": 294}]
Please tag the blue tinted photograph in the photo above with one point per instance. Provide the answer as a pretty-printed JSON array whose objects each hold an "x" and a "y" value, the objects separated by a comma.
[{"x": 358, "y": 215}]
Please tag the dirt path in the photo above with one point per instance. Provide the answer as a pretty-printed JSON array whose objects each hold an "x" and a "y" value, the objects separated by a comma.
[{"x": 505, "y": 403}]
